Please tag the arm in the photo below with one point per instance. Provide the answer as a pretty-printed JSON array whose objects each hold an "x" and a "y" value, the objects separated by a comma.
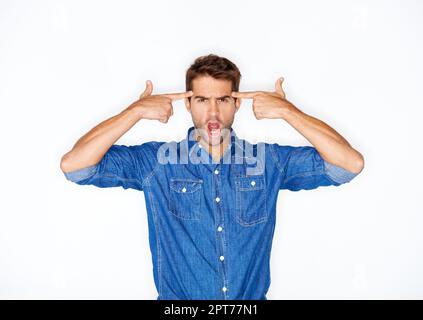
[
  {"x": 91, "y": 148},
  {"x": 303, "y": 168},
  {"x": 332, "y": 147}
]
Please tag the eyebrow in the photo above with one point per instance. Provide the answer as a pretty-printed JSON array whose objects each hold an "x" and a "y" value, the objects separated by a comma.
[{"x": 195, "y": 97}]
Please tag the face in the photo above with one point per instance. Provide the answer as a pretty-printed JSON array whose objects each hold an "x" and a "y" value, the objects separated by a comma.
[{"x": 212, "y": 108}]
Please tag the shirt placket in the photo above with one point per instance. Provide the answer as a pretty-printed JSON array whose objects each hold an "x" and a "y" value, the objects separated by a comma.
[
  {"x": 220, "y": 229},
  {"x": 219, "y": 225}
]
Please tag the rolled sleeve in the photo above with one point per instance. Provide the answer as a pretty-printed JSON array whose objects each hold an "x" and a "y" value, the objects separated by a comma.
[
  {"x": 81, "y": 174},
  {"x": 338, "y": 174},
  {"x": 303, "y": 168},
  {"x": 121, "y": 166}
]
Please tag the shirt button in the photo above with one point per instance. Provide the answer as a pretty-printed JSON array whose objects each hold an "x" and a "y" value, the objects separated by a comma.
[
  {"x": 184, "y": 189},
  {"x": 219, "y": 228},
  {"x": 222, "y": 258},
  {"x": 217, "y": 199},
  {"x": 253, "y": 183},
  {"x": 224, "y": 289},
  {"x": 216, "y": 171}
]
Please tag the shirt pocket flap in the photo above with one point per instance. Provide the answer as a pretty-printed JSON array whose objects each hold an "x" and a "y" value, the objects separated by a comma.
[
  {"x": 250, "y": 183},
  {"x": 185, "y": 185}
]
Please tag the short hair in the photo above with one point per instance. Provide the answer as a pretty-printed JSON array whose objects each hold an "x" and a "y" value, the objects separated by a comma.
[{"x": 214, "y": 66}]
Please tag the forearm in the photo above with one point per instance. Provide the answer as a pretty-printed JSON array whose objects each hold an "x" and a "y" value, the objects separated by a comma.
[
  {"x": 92, "y": 146},
  {"x": 330, "y": 144}
]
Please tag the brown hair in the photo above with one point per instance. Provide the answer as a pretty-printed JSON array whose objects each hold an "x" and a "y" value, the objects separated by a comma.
[{"x": 214, "y": 66}]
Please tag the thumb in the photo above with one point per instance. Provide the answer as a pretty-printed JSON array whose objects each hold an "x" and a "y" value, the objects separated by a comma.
[
  {"x": 148, "y": 89},
  {"x": 278, "y": 86}
]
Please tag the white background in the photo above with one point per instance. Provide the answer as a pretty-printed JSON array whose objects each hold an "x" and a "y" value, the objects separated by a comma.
[{"x": 65, "y": 66}]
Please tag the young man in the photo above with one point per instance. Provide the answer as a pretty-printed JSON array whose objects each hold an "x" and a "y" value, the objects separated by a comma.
[{"x": 211, "y": 198}]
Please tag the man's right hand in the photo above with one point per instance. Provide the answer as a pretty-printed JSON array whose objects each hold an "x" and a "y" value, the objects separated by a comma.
[
  {"x": 158, "y": 106},
  {"x": 92, "y": 146}
]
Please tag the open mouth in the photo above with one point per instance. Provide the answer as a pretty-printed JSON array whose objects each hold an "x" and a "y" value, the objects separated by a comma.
[{"x": 213, "y": 129}]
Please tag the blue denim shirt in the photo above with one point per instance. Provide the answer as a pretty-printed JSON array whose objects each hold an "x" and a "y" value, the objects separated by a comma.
[{"x": 210, "y": 223}]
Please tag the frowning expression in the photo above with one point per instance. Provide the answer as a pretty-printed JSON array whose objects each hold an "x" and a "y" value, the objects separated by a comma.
[{"x": 212, "y": 107}]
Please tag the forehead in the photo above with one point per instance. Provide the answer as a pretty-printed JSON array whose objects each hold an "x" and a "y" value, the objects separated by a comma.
[{"x": 209, "y": 86}]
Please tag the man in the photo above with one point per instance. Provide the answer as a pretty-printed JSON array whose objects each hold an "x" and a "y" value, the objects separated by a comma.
[{"x": 211, "y": 198}]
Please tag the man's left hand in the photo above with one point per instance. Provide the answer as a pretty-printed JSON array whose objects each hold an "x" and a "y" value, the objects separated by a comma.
[{"x": 266, "y": 104}]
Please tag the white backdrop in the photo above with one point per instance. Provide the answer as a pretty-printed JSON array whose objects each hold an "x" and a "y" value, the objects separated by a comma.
[{"x": 65, "y": 66}]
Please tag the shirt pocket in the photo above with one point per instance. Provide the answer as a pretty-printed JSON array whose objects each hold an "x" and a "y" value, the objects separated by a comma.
[
  {"x": 250, "y": 194},
  {"x": 185, "y": 198}
]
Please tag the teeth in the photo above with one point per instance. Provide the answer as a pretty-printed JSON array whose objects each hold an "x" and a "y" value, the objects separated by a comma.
[{"x": 214, "y": 129}]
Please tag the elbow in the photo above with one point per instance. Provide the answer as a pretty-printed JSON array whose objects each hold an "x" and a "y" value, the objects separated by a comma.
[
  {"x": 71, "y": 162},
  {"x": 65, "y": 165},
  {"x": 358, "y": 163}
]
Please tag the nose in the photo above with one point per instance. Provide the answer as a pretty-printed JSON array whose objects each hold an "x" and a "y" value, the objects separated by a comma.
[{"x": 213, "y": 108}]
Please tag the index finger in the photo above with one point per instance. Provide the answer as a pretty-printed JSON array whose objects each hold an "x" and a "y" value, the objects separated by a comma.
[
  {"x": 245, "y": 94},
  {"x": 179, "y": 95}
]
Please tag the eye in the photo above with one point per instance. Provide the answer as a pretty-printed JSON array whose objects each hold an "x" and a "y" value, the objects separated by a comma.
[
  {"x": 224, "y": 99},
  {"x": 201, "y": 99}
]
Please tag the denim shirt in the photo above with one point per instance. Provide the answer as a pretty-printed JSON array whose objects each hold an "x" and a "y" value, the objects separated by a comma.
[{"x": 210, "y": 223}]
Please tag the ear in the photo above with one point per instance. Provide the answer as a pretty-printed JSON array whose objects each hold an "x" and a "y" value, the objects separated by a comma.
[
  {"x": 187, "y": 104},
  {"x": 237, "y": 104}
]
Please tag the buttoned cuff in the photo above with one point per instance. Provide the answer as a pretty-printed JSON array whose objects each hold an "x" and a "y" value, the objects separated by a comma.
[
  {"x": 81, "y": 174},
  {"x": 338, "y": 174}
]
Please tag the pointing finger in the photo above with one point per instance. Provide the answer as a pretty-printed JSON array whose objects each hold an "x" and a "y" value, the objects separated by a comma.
[
  {"x": 246, "y": 94},
  {"x": 180, "y": 95}
]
